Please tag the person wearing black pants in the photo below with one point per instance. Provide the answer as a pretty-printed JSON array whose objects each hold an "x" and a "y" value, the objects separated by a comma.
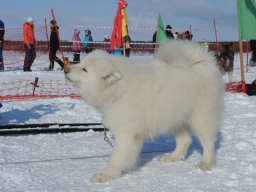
[
  {"x": 53, "y": 57},
  {"x": 2, "y": 31},
  {"x": 127, "y": 40},
  {"x": 76, "y": 58},
  {"x": 29, "y": 44},
  {"x": 252, "y": 62},
  {"x": 30, "y": 57},
  {"x": 54, "y": 46}
]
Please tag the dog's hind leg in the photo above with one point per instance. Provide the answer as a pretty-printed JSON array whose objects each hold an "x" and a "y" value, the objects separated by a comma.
[
  {"x": 204, "y": 125},
  {"x": 208, "y": 154},
  {"x": 183, "y": 141},
  {"x": 124, "y": 155}
]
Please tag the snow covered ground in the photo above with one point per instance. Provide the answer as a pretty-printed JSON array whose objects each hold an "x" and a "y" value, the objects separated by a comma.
[{"x": 66, "y": 162}]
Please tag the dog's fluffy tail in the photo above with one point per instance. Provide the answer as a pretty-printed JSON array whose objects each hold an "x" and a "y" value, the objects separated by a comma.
[{"x": 183, "y": 53}]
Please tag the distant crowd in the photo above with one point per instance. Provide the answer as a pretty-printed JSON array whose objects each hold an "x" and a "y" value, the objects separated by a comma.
[
  {"x": 30, "y": 43},
  {"x": 54, "y": 44}
]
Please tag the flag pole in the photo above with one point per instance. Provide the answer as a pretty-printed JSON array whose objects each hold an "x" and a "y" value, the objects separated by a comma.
[
  {"x": 241, "y": 55},
  {"x": 216, "y": 37},
  {"x": 58, "y": 38},
  {"x": 157, "y": 30},
  {"x": 123, "y": 47},
  {"x": 247, "y": 51},
  {"x": 241, "y": 61}
]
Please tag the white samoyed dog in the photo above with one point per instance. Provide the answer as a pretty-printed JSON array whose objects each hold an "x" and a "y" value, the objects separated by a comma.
[{"x": 179, "y": 91}]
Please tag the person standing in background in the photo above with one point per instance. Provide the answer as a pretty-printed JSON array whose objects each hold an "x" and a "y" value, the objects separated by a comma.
[
  {"x": 2, "y": 31},
  {"x": 1, "y": 105},
  {"x": 188, "y": 35},
  {"x": 54, "y": 46},
  {"x": 127, "y": 41},
  {"x": 87, "y": 40},
  {"x": 76, "y": 46},
  {"x": 168, "y": 31},
  {"x": 29, "y": 44},
  {"x": 252, "y": 62},
  {"x": 205, "y": 45},
  {"x": 106, "y": 44}
]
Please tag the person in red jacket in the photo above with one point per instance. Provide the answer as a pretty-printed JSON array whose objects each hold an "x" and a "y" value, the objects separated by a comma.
[{"x": 29, "y": 43}]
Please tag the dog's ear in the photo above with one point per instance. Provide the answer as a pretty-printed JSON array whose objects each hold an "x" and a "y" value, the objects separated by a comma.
[{"x": 112, "y": 78}]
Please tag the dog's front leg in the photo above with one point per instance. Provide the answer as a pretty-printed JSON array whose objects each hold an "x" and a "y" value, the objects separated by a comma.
[{"x": 127, "y": 146}]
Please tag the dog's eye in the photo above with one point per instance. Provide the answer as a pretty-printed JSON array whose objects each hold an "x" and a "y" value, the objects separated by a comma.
[{"x": 84, "y": 69}]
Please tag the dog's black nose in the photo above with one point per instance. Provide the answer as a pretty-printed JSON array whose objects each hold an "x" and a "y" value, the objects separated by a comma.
[{"x": 66, "y": 70}]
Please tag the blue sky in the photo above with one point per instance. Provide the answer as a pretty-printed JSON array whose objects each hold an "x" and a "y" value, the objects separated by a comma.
[{"x": 180, "y": 14}]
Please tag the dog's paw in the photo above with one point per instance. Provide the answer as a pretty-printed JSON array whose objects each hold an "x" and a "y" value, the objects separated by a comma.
[
  {"x": 101, "y": 178},
  {"x": 170, "y": 158},
  {"x": 204, "y": 166}
]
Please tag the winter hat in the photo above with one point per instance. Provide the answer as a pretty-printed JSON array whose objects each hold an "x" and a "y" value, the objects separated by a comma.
[
  {"x": 52, "y": 22},
  {"x": 30, "y": 19},
  {"x": 106, "y": 37},
  {"x": 168, "y": 28}
]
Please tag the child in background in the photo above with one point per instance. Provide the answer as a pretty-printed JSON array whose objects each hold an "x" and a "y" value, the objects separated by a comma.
[
  {"x": 76, "y": 46},
  {"x": 205, "y": 45},
  {"x": 88, "y": 39},
  {"x": 106, "y": 44}
]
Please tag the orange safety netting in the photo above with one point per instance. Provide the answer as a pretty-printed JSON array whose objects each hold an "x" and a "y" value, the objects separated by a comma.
[
  {"x": 14, "y": 50},
  {"x": 25, "y": 90},
  {"x": 236, "y": 87}
]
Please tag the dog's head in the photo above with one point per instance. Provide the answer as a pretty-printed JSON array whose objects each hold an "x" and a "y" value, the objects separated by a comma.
[
  {"x": 95, "y": 76},
  {"x": 226, "y": 49}
]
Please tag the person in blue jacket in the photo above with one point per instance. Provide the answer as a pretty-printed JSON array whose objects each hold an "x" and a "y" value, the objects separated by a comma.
[
  {"x": 2, "y": 31},
  {"x": 87, "y": 40},
  {"x": 1, "y": 107}
]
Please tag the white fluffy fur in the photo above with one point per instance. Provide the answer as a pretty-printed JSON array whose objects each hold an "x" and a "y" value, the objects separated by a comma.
[{"x": 180, "y": 90}]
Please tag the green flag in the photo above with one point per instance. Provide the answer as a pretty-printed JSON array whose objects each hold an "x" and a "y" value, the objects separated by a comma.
[
  {"x": 246, "y": 19},
  {"x": 161, "y": 36}
]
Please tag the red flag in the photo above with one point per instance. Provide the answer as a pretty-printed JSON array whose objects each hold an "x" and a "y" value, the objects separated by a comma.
[{"x": 116, "y": 38}]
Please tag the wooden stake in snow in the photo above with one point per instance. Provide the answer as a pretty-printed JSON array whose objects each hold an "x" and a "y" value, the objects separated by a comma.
[{"x": 35, "y": 85}]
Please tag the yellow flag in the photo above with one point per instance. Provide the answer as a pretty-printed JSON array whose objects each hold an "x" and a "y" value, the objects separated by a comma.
[{"x": 124, "y": 23}]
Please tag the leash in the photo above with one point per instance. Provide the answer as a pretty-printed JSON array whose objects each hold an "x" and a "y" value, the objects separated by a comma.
[
  {"x": 106, "y": 137},
  {"x": 70, "y": 159}
]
